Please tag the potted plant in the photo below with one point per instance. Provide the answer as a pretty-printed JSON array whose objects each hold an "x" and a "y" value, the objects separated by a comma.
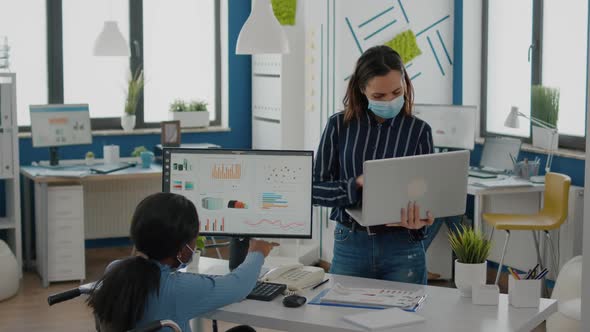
[
  {"x": 199, "y": 248},
  {"x": 89, "y": 158},
  {"x": 136, "y": 153},
  {"x": 193, "y": 114},
  {"x": 472, "y": 250},
  {"x": 134, "y": 88},
  {"x": 545, "y": 107}
]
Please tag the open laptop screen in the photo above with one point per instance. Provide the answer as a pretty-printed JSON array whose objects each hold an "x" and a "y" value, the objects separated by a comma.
[{"x": 498, "y": 153}]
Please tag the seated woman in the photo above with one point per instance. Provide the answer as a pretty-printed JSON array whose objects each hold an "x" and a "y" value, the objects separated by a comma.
[{"x": 148, "y": 287}]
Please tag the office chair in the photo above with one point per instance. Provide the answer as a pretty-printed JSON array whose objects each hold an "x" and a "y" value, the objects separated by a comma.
[{"x": 551, "y": 216}]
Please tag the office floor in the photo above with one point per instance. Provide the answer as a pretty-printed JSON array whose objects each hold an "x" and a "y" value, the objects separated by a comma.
[{"x": 28, "y": 310}]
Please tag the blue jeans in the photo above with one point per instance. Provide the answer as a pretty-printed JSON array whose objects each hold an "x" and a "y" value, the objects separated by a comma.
[
  {"x": 388, "y": 256},
  {"x": 452, "y": 224}
]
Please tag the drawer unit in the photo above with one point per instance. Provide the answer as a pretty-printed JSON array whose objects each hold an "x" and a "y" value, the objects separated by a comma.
[{"x": 65, "y": 233}]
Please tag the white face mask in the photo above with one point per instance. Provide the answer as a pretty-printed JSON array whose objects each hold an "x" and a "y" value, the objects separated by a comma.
[
  {"x": 183, "y": 264},
  {"x": 387, "y": 109}
]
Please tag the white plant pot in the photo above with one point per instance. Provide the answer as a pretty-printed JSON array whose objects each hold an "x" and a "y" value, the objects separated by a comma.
[
  {"x": 469, "y": 275},
  {"x": 193, "y": 267},
  {"x": 89, "y": 161},
  {"x": 191, "y": 119},
  {"x": 542, "y": 138},
  {"x": 128, "y": 122}
]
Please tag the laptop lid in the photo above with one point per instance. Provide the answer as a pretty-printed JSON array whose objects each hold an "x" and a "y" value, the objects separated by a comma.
[
  {"x": 498, "y": 153},
  {"x": 437, "y": 182}
]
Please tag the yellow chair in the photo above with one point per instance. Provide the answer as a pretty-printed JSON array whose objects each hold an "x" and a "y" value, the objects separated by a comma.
[{"x": 551, "y": 217}]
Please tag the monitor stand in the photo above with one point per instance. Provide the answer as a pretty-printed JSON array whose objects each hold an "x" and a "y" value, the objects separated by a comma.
[
  {"x": 238, "y": 249},
  {"x": 53, "y": 157}
]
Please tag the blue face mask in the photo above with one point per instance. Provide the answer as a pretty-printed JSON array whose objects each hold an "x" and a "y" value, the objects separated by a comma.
[{"x": 387, "y": 109}]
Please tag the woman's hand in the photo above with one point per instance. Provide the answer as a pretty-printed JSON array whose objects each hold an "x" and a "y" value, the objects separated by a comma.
[
  {"x": 410, "y": 218},
  {"x": 360, "y": 181},
  {"x": 262, "y": 247}
]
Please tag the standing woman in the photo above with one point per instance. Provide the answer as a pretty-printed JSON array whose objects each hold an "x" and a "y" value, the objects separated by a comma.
[{"x": 377, "y": 123}]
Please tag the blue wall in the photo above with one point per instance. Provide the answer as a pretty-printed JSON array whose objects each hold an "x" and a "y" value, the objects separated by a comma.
[{"x": 240, "y": 115}]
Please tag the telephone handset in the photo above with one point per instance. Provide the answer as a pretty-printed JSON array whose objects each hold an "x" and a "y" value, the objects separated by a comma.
[{"x": 295, "y": 276}]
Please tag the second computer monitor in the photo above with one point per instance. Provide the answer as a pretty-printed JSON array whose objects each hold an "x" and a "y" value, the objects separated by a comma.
[
  {"x": 59, "y": 125},
  {"x": 453, "y": 126},
  {"x": 244, "y": 193}
]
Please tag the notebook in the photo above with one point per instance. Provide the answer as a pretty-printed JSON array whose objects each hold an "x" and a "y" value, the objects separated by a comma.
[{"x": 384, "y": 319}]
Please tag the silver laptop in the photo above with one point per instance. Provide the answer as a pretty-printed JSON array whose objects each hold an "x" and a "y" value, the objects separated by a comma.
[
  {"x": 498, "y": 156},
  {"x": 437, "y": 182}
]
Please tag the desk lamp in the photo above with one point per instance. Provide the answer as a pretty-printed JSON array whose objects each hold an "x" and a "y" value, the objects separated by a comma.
[{"x": 512, "y": 121}]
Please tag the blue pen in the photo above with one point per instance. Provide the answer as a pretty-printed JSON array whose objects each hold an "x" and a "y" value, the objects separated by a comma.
[{"x": 542, "y": 274}]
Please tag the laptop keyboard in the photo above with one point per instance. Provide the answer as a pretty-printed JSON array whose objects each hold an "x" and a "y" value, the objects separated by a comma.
[{"x": 481, "y": 175}]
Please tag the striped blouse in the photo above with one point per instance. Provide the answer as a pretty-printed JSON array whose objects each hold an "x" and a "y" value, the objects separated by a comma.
[{"x": 344, "y": 147}]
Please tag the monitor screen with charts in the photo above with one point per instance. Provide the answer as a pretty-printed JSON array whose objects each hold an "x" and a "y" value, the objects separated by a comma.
[
  {"x": 59, "y": 125},
  {"x": 453, "y": 126},
  {"x": 249, "y": 193}
]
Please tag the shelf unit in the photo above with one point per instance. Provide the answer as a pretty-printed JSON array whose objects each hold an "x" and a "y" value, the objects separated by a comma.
[
  {"x": 10, "y": 223},
  {"x": 278, "y": 93}
]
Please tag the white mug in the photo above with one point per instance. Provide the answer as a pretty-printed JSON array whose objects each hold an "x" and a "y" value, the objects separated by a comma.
[{"x": 111, "y": 154}]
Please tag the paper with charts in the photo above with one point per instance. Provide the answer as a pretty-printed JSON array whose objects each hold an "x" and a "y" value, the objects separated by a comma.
[
  {"x": 373, "y": 297},
  {"x": 246, "y": 194}
]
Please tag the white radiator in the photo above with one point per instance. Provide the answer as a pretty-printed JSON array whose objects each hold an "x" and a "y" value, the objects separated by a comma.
[
  {"x": 109, "y": 205},
  {"x": 569, "y": 236}
]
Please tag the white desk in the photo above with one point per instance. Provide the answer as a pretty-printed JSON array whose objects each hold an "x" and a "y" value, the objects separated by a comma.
[
  {"x": 103, "y": 211},
  {"x": 479, "y": 192},
  {"x": 444, "y": 310}
]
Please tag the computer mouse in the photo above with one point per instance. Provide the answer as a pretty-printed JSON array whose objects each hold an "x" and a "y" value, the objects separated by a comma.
[{"x": 294, "y": 301}]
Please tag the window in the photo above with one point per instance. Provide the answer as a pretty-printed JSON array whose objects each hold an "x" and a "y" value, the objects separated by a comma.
[
  {"x": 535, "y": 42},
  {"x": 24, "y": 25},
  {"x": 98, "y": 81},
  {"x": 565, "y": 25},
  {"x": 179, "y": 55},
  {"x": 508, "y": 67},
  {"x": 52, "y": 51}
]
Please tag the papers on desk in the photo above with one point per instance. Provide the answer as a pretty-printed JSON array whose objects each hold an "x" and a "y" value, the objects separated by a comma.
[
  {"x": 508, "y": 182},
  {"x": 384, "y": 319},
  {"x": 373, "y": 297}
]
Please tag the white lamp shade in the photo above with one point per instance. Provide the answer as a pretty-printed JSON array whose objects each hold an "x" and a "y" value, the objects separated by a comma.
[
  {"x": 512, "y": 118},
  {"x": 262, "y": 33},
  {"x": 110, "y": 41}
]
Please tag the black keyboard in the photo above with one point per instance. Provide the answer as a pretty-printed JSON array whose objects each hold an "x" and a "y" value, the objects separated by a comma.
[{"x": 266, "y": 291}]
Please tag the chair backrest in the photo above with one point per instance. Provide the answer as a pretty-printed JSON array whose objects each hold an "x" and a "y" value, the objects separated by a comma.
[{"x": 557, "y": 189}]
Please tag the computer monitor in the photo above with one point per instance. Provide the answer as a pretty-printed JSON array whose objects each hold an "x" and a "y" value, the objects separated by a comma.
[
  {"x": 244, "y": 193},
  {"x": 60, "y": 125},
  {"x": 499, "y": 153},
  {"x": 453, "y": 126}
]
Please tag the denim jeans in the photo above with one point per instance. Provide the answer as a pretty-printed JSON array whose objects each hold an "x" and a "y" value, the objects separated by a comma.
[
  {"x": 452, "y": 224},
  {"x": 388, "y": 256}
]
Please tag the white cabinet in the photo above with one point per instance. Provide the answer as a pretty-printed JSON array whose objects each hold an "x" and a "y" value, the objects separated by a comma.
[
  {"x": 10, "y": 223},
  {"x": 278, "y": 93},
  {"x": 60, "y": 253}
]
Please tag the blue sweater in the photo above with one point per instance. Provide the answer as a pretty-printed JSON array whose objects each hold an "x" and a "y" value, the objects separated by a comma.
[{"x": 184, "y": 296}]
